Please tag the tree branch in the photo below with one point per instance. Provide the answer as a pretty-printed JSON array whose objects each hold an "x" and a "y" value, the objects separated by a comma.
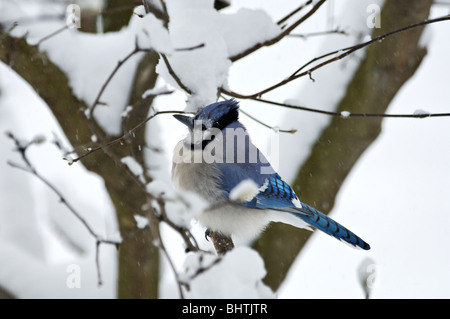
[
  {"x": 417, "y": 114},
  {"x": 282, "y": 34},
  {"x": 338, "y": 55}
]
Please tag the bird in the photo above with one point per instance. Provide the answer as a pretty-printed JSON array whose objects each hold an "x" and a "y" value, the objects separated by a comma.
[{"x": 218, "y": 161}]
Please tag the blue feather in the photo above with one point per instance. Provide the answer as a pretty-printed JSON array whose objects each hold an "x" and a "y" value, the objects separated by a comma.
[{"x": 326, "y": 224}]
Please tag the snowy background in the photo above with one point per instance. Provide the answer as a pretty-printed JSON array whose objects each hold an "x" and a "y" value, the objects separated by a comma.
[{"x": 396, "y": 196}]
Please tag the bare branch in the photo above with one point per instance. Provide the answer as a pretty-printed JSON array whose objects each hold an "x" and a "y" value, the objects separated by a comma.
[
  {"x": 339, "y": 54},
  {"x": 189, "y": 239},
  {"x": 195, "y": 47},
  {"x": 59, "y": 30},
  {"x": 136, "y": 50},
  {"x": 344, "y": 114},
  {"x": 110, "y": 77},
  {"x": 313, "y": 34},
  {"x": 30, "y": 169},
  {"x": 300, "y": 8},
  {"x": 266, "y": 125},
  {"x": 174, "y": 75},
  {"x": 281, "y": 35}
]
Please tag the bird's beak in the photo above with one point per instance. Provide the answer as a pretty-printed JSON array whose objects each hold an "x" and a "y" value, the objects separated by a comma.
[{"x": 186, "y": 120}]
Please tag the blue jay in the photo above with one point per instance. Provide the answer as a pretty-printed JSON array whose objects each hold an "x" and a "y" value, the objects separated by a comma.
[{"x": 217, "y": 157}]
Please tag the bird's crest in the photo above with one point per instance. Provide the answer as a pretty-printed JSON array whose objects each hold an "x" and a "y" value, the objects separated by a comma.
[{"x": 219, "y": 114}]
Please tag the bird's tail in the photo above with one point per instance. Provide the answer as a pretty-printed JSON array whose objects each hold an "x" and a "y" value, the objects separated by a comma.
[{"x": 321, "y": 221}]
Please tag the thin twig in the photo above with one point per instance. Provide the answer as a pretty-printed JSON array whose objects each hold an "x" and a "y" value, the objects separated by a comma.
[
  {"x": 281, "y": 35},
  {"x": 97, "y": 262},
  {"x": 189, "y": 239},
  {"x": 110, "y": 77},
  {"x": 124, "y": 136},
  {"x": 195, "y": 47},
  {"x": 313, "y": 34},
  {"x": 7, "y": 33},
  {"x": 266, "y": 125},
  {"x": 136, "y": 50},
  {"x": 345, "y": 114},
  {"x": 52, "y": 34},
  {"x": 174, "y": 75},
  {"x": 300, "y": 8},
  {"x": 342, "y": 53}
]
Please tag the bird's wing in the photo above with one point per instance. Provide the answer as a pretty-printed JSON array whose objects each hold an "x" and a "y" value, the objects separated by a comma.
[{"x": 276, "y": 194}]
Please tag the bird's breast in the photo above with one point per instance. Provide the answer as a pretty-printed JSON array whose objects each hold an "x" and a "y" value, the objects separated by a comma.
[{"x": 196, "y": 176}]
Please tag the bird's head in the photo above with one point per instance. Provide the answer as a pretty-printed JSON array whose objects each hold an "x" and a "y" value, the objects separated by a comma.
[{"x": 210, "y": 121}]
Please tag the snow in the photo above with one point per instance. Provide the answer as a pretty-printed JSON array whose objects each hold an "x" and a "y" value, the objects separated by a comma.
[
  {"x": 181, "y": 207},
  {"x": 345, "y": 114},
  {"x": 244, "y": 191},
  {"x": 201, "y": 78},
  {"x": 205, "y": 69},
  {"x": 127, "y": 111},
  {"x": 133, "y": 165},
  {"x": 237, "y": 275},
  {"x": 245, "y": 27},
  {"x": 158, "y": 188},
  {"x": 185, "y": 208},
  {"x": 141, "y": 221},
  {"x": 421, "y": 112},
  {"x": 151, "y": 33}
]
